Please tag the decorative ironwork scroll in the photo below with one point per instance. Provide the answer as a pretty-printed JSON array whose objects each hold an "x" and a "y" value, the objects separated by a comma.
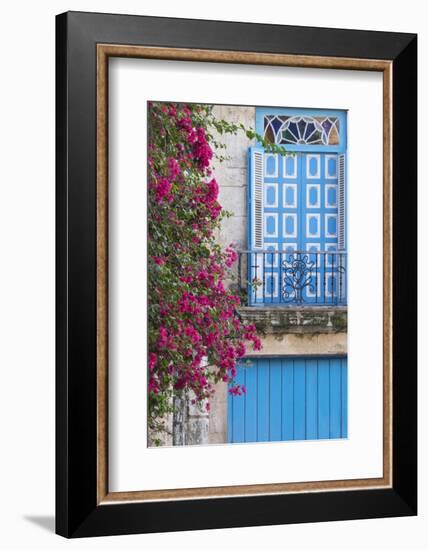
[{"x": 298, "y": 274}]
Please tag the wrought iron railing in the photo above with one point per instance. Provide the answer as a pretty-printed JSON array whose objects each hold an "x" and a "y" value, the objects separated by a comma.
[{"x": 296, "y": 278}]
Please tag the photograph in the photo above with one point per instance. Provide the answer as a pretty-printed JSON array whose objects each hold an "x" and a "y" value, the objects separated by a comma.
[{"x": 247, "y": 274}]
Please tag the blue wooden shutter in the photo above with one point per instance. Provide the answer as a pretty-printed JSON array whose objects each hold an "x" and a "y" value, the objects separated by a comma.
[
  {"x": 256, "y": 199},
  {"x": 341, "y": 203}
]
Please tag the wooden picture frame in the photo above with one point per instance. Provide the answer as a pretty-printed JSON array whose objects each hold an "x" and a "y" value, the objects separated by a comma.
[{"x": 84, "y": 505}]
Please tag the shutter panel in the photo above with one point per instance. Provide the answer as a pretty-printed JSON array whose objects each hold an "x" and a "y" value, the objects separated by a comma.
[
  {"x": 341, "y": 204},
  {"x": 257, "y": 198}
]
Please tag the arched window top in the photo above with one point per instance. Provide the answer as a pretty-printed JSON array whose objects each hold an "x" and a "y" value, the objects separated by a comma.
[
  {"x": 298, "y": 129},
  {"x": 302, "y": 130}
]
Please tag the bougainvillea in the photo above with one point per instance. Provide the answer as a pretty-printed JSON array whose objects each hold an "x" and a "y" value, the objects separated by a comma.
[{"x": 196, "y": 337}]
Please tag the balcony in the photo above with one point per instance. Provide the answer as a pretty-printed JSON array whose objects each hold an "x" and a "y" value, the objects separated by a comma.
[
  {"x": 299, "y": 279},
  {"x": 293, "y": 292}
]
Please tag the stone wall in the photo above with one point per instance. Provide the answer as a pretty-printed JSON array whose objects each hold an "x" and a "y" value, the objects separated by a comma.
[{"x": 232, "y": 175}]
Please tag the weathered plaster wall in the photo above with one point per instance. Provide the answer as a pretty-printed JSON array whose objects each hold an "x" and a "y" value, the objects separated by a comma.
[
  {"x": 232, "y": 175},
  {"x": 303, "y": 344},
  {"x": 299, "y": 319},
  {"x": 217, "y": 429}
]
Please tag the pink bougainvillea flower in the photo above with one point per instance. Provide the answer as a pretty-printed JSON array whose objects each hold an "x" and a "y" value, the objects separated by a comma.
[
  {"x": 173, "y": 167},
  {"x": 152, "y": 361},
  {"x": 163, "y": 188}
]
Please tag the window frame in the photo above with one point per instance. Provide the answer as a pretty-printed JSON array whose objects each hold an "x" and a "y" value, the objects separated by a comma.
[{"x": 261, "y": 112}]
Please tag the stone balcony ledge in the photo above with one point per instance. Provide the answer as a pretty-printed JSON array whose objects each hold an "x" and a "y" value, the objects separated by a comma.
[{"x": 296, "y": 320}]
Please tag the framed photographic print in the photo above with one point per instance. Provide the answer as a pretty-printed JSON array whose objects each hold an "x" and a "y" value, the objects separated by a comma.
[{"x": 236, "y": 274}]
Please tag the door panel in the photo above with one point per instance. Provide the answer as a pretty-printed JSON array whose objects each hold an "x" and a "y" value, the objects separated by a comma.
[
  {"x": 318, "y": 224},
  {"x": 290, "y": 399},
  {"x": 300, "y": 216}
]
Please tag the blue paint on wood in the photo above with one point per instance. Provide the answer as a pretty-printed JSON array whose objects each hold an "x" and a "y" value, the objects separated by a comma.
[
  {"x": 251, "y": 404},
  {"x": 313, "y": 226},
  {"x": 313, "y": 166},
  {"x": 275, "y": 401},
  {"x": 270, "y": 165},
  {"x": 324, "y": 399},
  {"x": 313, "y": 196},
  {"x": 331, "y": 197},
  {"x": 299, "y": 399},
  {"x": 331, "y": 226},
  {"x": 270, "y": 225},
  {"x": 270, "y": 196},
  {"x": 289, "y": 196},
  {"x": 335, "y": 399},
  {"x": 289, "y": 225},
  {"x": 311, "y": 399},
  {"x": 290, "y": 399},
  {"x": 263, "y": 400},
  {"x": 344, "y": 398},
  {"x": 289, "y": 166},
  {"x": 332, "y": 167},
  {"x": 287, "y": 398}
]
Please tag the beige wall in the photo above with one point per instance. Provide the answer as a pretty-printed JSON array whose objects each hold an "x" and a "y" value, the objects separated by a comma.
[
  {"x": 232, "y": 175},
  {"x": 303, "y": 344}
]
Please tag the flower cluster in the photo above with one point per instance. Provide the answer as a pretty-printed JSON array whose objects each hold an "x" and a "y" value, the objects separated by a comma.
[{"x": 195, "y": 335}]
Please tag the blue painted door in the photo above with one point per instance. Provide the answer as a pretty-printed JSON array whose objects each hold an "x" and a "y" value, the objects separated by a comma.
[
  {"x": 319, "y": 223},
  {"x": 299, "y": 216},
  {"x": 290, "y": 399}
]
